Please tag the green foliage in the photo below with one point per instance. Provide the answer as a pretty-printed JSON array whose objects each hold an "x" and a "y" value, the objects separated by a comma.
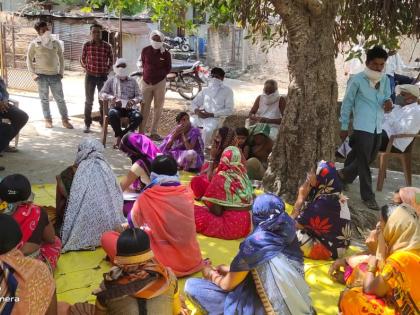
[
  {"x": 378, "y": 21},
  {"x": 73, "y": 2},
  {"x": 127, "y": 7}
]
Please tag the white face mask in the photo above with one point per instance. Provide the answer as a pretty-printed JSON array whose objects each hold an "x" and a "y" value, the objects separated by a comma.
[
  {"x": 121, "y": 72},
  {"x": 374, "y": 76},
  {"x": 46, "y": 37},
  {"x": 214, "y": 82},
  {"x": 156, "y": 45}
]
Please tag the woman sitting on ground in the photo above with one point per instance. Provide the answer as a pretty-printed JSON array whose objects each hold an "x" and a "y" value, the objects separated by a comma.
[
  {"x": 95, "y": 201},
  {"x": 138, "y": 284},
  {"x": 27, "y": 286},
  {"x": 390, "y": 283},
  {"x": 265, "y": 277},
  {"x": 142, "y": 151},
  {"x": 185, "y": 144},
  {"x": 165, "y": 209},
  {"x": 38, "y": 236},
  {"x": 224, "y": 137},
  {"x": 269, "y": 108},
  {"x": 227, "y": 197},
  {"x": 260, "y": 150},
  {"x": 322, "y": 214},
  {"x": 410, "y": 196},
  {"x": 242, "y": 136}
]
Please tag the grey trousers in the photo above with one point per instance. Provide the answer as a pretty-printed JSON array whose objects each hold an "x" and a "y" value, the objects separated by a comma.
[{"x": 365, "y": 147}]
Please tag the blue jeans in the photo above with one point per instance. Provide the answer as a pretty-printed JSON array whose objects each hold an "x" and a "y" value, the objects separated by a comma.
[{"x": 53, "y": 82}]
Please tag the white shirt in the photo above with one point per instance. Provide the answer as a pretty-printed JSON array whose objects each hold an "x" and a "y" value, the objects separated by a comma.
[
  {"x": 217, "y": 100},
  {"x": 394, "y": 64},
  {"x": 402, "y": 119}
]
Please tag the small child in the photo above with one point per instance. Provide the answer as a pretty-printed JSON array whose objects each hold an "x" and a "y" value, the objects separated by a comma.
[{"x": 242, "y": 134}]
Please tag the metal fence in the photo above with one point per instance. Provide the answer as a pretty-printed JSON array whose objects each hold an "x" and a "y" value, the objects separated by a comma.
[{"x": 14, "y": 40}]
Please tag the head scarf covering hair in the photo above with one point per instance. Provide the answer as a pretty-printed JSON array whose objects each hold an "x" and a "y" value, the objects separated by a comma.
[
  {"x": 119, "y": 62},
  {"x": 260, "y": 129},
  {"x": 408, "y": 88},
  {"x": 274, "y": 233},
  {"x": 228, "y": 139},
  {"x": 14, "y": 188},
  {"x": 327, "y": 180},
  {"x": 401, "y": 232},
  {"x": 137, "y": 274},
  {"x": 230, "y": 186},
  {"x": 162, "y": 38},
  {"x": 411, "y": 196},
  {"x": 140, "y": 149},
  {"x": 95, "y": 202}
]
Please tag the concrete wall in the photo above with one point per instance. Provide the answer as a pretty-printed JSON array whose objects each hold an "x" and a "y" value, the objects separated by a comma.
[
  {"x": 12, "y": 5},
  {"x": 132, "y": 47}
]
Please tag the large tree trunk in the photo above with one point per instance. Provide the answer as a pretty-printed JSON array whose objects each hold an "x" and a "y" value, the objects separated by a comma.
[{"x": 308, "y": 130}]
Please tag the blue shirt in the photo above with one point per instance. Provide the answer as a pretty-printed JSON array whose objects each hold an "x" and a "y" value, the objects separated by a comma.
[{"x": 365, "y": 103}]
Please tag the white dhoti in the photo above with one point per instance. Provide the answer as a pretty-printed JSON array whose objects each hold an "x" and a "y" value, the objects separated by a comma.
[{"x": 208, "y": 125}]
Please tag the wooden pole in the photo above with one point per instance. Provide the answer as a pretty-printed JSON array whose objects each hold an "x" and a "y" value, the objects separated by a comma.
[{"x": 120, "y": 37}]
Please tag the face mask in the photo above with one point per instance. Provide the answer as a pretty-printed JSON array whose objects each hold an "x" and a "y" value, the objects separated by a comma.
[
  {"x": 46, "y": 37},
  {"x": 374, "y": 76},
  {"x": 214, "y": 82},
  {"x": 121, "y": 72},
  {"x": 156, "y": 45}
]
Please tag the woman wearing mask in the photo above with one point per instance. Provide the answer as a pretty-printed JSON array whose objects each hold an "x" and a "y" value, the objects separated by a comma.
[
  {"x": 123, "y": 96},
  {"x": 156, "y": 63},
  {"x": 268, "y": 108}
]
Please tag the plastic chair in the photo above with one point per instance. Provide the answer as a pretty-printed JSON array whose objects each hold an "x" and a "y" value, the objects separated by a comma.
[
  {"x": 105, "y": 111},
  {"x": 404, "y": 157}
]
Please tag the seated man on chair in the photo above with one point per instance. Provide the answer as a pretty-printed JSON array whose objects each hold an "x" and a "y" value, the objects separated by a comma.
[
  {"x": 404, "y": 119},
  {"x": 17, "y": 117},
  {"x": 211, "y": 105},
  {"x": 123, "y": 96}
]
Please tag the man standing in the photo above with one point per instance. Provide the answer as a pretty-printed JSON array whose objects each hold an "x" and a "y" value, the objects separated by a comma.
[
  {"x": 97, "y": 59},
  {"x": 123, "y": 95},
  {"x": 211, "y": 105},
  {"x": 45, "y": 61},
  {"x": 18, "y": 118},
  {"x": 368, "y": 95},
  {"x": 156, "y": 63}
]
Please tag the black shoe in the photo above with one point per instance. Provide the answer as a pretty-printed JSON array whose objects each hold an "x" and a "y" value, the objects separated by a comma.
[
  {"x": 371, "y": 204},
  {"x": 87, "y": 129}
]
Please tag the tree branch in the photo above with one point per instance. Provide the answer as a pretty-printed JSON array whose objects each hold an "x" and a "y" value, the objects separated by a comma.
[
  {"x": 314, "y": 6},
  {"x": 280, "y": 6}
]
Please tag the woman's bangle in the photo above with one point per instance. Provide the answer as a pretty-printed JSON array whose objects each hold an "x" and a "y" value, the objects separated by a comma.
[{"x": 372, "y": 268}]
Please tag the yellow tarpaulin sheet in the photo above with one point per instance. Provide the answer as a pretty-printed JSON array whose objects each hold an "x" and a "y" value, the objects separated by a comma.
[{"x": 79, "y": 273}]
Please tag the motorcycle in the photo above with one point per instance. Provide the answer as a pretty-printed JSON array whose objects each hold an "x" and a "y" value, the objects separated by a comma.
[
  {"x": 177, "y": 43},
  {"x": 184, "y": 79}
]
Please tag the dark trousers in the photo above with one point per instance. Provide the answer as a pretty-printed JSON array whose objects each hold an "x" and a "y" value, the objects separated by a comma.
[
  {"x": 384, "y": 143},
  {"x": 18, "y": 118},
  {"x": 365, "y": 147},
  {"x": 91, "y": 83},
  {"x": 115, "y": 115}
]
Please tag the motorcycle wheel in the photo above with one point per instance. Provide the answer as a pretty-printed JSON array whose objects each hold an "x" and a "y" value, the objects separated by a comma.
[
  {"x": 190, "y": 81},
  {"x": 185, "y": 47}
]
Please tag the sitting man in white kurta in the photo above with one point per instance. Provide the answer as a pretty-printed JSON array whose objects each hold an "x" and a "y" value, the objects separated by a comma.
[
  {"x": 212, "y": 105},
  {"x": 404, "y": 119}
]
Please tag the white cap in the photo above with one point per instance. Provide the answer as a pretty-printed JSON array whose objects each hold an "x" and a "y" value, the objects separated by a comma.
[{"x": 408, "y": 88}]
